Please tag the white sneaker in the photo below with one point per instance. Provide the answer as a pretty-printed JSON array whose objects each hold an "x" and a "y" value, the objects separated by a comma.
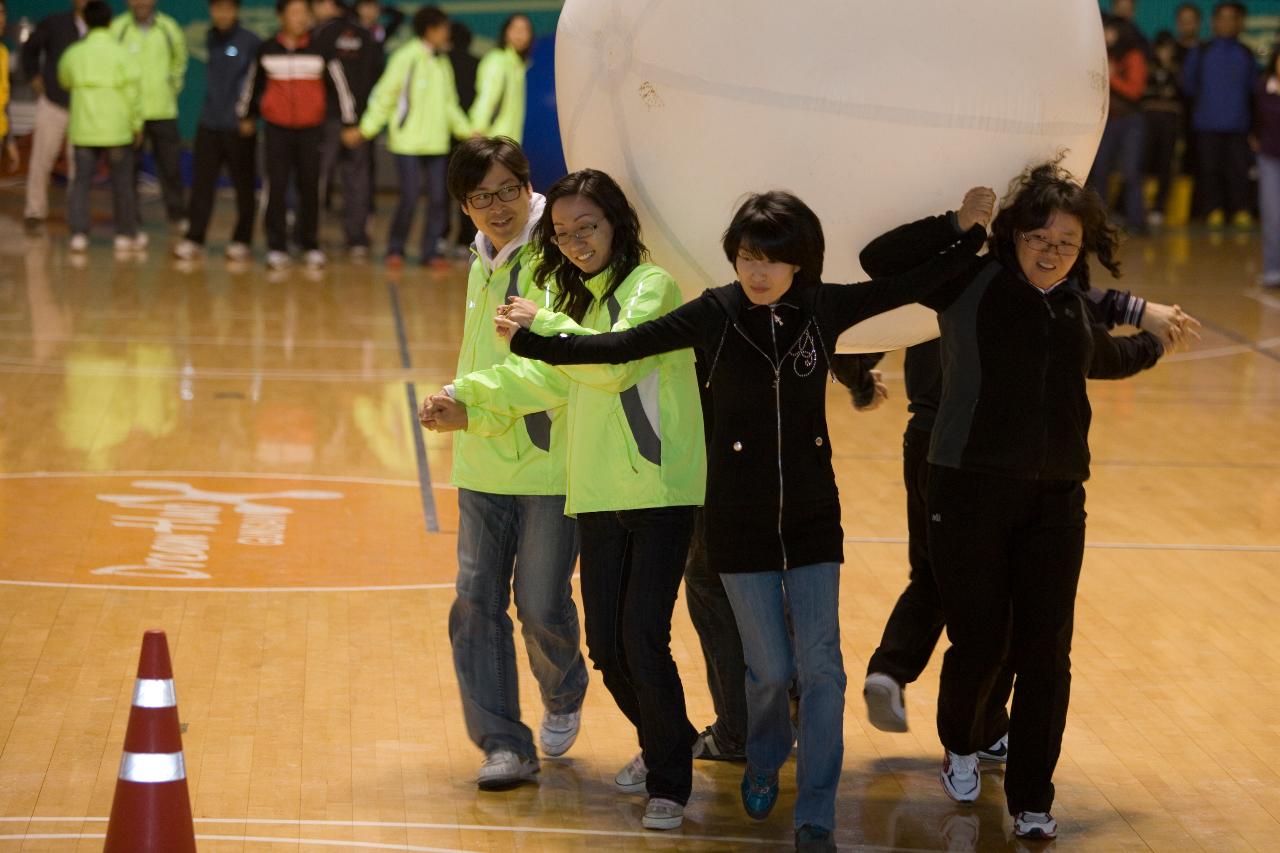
[
  {"x": 631, "y": 778},
  {"x": 358, "y": 253},
  {"x": 278, "y": 260},
  {"x": 237, "y": 251},
  {"x": 503, "y": 769},
  {"x": 314, "y": 258},
  {"x": 885, "y": 708},
  {"x": 79, "y": 243},
  {"x": 1155, "y": 218},
  {"x": 187, "y": 249},
  {"x": 997, "y": 752},
  {"x": 140, "y": 241},
  {"x": 558, "y": 733},
  {"x": 662, "y": 814},
  {"x": 1035, "y": 825},
  {"x": 123, "y": 243},
  {"x": 960, "y": 777}
]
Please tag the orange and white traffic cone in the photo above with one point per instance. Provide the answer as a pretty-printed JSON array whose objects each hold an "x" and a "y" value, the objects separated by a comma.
[{"x": 151, "y": 812}]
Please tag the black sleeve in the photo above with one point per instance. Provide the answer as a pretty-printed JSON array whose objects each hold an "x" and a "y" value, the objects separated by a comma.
[
  {"x": 392, "y": 19},
  {"x": 936, "y": 282},
  {"x": 853, "y": 371},
  {"x": 1122, "y": 357},
  {"x": 690, "y": 325},
  {"x": 255, "y": 82},
  {"x": 908, "y": 246},
  {"x": 1114, "y": 308},
  {"x": 32, "y": 50}
]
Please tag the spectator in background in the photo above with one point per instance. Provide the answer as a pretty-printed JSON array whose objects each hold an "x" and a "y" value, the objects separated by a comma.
[
  {"x": 1127, "y": 10},
  {"x": 232, "y": 51},
  {"x": 500, "y": 87},
  {"x": 464, "y": 76},
  {"x": 381, "y": 21},
  {"x": 40, "y": 55},
  {"x": 1219, "y": 78},
  {"x": 1163, "y": 108},
  {"x": 9, "y": 158},
  {"x": 1124, "y": 137},
  {"x": 158, "y": 47},
  {"x": 417, "y": 98},
  {"x": 287, "y": 87},
  {"x": 105, "y": 122},
  {"x": 1266, "y": 141},
  {"x": 1187, "y": 24},
  {"x": 338, "y": 38}
]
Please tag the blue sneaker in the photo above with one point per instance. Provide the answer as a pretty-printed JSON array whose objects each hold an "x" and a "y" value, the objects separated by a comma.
[{"x": 759, "y": 793}]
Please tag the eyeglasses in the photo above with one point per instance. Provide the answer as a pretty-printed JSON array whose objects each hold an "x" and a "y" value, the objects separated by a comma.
[
  {"x": 583, "y": 233},
  {"x": 1039, "y": 244},
  {"x": 480, "y": 201}
]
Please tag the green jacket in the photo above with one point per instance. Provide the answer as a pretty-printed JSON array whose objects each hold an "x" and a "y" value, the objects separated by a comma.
[
  {"x": 417, "y": 97},
  {"x": 106, "y": 106},
  {"x": 160, "y": 54},
  {"x": 635, "y": 437},
  {"x": 498, "y": 109}
]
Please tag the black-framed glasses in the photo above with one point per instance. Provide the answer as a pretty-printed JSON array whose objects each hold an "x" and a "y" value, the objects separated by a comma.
[
  {"x": 1039, "y": 244},
  {"x": 583, "y": 233},
  {"x": 480, "y": 201}
]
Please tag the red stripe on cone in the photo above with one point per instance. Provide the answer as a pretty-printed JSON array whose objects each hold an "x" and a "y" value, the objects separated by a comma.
[{"x": 152, "y": 817}]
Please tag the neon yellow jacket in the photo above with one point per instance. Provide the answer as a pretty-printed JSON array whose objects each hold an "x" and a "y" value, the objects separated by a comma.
[
  {"x": 106, "y": 104},
  {"x": 4, "y": 92},
  {"x": 498, "y": 109},
  {"x": 417, "y": 98},
  {"x": 160, "y": 54},
  {"x": 635, "y": 437}
]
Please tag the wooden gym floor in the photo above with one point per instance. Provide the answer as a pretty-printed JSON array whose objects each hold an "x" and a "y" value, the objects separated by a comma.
[{"x": 248, "y": 436}]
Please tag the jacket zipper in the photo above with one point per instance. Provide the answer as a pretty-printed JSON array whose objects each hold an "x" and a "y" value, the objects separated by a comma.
[
  {"x": 777, "y": 408},
  {"x": 1044, "y": 376}
]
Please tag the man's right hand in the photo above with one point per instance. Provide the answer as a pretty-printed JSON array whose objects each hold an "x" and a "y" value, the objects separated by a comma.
[
  {"x": 37, "y": 85},
  {"x": 247, "y": 127}
]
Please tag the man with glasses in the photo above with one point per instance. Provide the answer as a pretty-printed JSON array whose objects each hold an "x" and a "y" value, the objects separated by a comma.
[{"x": 511, "y": 479}]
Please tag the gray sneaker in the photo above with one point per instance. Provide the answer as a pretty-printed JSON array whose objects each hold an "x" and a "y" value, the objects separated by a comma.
[
  {"x": 504, "y": 769},
  {"x": 632, "y": 777},
  {"x": 885, "y": 708},
  {"x": 707, "y": 748},
  {"x": 662, "y": 814},
  {"x": 559, "y": 731}
]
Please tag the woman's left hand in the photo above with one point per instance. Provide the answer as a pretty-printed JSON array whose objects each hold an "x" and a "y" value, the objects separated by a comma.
[
  {"x": 519, "y": 310},
  {"x": 1174, "y": 327}
]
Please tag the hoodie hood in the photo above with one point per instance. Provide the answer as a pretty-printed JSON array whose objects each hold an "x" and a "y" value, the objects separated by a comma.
[{"x": 484, "y": 249}]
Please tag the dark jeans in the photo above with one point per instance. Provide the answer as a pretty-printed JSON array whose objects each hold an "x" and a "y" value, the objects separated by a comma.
[
  {"x": 1224, "y": 162},
  {"x": 713, "y": 619},
  {"x": 417, "y": 173},
  {"x": 916, "y": 622},
  {"x": 352, "y": 165},
  {"x": 166, "y": 146},
  {"x": 123, "y": 196},
  {"x": 631, "y": 565},
  {"x": 213, "y": 150},
  {"x": 292, "y": 153},
  {"x": 1123, "y": 147},
  {"x": 1163, "y": 130},
  {"x": 1007, "y": 555}
]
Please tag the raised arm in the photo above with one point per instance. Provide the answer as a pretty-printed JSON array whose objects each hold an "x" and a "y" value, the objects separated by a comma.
[
  {"x": 512, "y": 388},
  {"x": 1122, "y": 357}
]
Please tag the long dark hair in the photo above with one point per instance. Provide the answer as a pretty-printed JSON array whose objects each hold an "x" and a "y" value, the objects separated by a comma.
[
  {"x": 626, "y": 251},
  {"x": 506, "y": 25},
  {"x": 778, "y": 226},
  {"x": 1033, "y": 197}
]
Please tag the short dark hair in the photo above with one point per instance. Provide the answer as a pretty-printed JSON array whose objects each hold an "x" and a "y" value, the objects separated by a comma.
[
  {"x": 427, "y": 18},
  {"x": 778, "y": 226},
  {"x": 281, "y": 5},
  {"x": 1033, "y": 197},
  {"x": 235, "y": 3},
  {"x": 1234, "y": 7},
  {"x": 626, "y": 251},
  {"x": 473, "y": 159},
  {"x": 1182, "y": 7},
  {"x": 506, "y": 25},
  {"x": 96, "y": 14}
]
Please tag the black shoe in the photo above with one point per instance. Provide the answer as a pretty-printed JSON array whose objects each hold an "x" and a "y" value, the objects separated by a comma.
[
  {"x": 31, "y": 223},
  {"x": 707, "y": 748},
  {"x": 814, "y": 839}
]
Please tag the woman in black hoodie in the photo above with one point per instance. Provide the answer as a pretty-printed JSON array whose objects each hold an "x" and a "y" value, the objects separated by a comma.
[{"x": 1009, "y": 456}]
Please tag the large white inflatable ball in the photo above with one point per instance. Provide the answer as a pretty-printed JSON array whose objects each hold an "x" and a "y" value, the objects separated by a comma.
[{"x": 875, "y": 113}]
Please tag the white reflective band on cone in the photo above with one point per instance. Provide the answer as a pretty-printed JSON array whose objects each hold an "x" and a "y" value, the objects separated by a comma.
[
  {"x": 153, "y": 767},
  {"x": 154, "y": 693}
]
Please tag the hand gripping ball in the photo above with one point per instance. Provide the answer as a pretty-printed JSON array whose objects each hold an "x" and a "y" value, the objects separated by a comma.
[{"x": 874, "y": 113}]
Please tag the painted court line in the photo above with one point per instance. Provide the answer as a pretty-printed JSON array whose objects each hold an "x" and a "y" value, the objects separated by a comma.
[{"x": 1109, "y": 546}]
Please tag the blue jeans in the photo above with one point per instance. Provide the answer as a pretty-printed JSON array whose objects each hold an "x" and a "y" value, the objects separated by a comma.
[
  {"x": 1124, "y": 147},
  {"x": 1269, "y": 208},
  {"x": 414, "y": 172},
  {"x": 123, "y": 197},
  {"x": 528, "y": 537},
  {"x": 761, "y": 602}
]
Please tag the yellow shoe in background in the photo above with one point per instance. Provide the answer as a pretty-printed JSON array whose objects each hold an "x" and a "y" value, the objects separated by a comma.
[
  {"x": 1242, "y": 220},
  {"x": 1215, "y": 219}
]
